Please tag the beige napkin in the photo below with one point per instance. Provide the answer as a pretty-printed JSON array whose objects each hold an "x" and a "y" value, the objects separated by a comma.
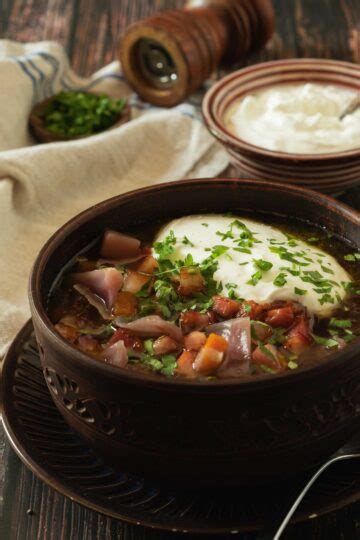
[{"x": 42, "y": 186}]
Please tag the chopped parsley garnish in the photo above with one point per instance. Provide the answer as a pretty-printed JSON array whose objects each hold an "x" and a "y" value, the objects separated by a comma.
[
  {"x": 255, "y": 278},
  {"x": 187, "y": 242},
  {"x": 329, "y": 343},
  {"x": 340, "y": 323},
  {"x": 77, "y": 113},
  {"x": 280, "y": 280},
  {"x": 352, "y": 257},
  {"x": 263, "y": 265},
  {"x": 300, "y": 292}
]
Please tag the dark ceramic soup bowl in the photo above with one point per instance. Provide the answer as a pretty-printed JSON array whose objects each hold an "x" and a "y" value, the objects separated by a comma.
[{"x": 209, "y": 432}]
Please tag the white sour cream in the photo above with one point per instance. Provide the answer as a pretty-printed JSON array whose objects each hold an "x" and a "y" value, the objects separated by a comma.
[
  {"x": 297, "y": 118},
  {"x": 199, "y": 234}
]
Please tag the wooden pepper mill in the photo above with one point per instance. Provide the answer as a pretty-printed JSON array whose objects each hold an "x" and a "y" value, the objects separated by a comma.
[{"x": 169, "y": 55}]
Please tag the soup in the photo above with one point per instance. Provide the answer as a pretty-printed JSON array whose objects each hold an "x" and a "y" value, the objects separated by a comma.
[{"x": 211, "y": 296}]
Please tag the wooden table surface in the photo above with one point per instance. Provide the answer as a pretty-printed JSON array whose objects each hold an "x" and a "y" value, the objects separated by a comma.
[{"x": 89, "y": 30}]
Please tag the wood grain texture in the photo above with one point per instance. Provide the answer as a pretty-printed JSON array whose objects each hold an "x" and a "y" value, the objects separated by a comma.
[{"x": 89, "y": 30}]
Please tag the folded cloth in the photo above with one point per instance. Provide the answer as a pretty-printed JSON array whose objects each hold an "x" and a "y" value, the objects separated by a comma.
[{"x": 44, "y": 185}]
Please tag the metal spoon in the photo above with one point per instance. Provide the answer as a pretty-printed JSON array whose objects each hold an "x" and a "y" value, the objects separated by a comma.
[
  {"x": 352, "y": 107},
  {"x": 350, "y": 451}
]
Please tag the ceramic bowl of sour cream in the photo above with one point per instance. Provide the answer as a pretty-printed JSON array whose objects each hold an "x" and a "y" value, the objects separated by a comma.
[{"x": 284, "y": 121}]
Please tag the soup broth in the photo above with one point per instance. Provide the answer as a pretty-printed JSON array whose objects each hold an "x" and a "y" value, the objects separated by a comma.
[{"x": 211, "y": 297}]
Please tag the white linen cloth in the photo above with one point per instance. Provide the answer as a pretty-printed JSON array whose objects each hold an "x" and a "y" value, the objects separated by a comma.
[{"x": 44, "y": 185}]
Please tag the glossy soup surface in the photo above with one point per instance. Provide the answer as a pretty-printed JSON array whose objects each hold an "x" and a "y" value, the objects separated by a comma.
[{"x": 211, "y": 296}]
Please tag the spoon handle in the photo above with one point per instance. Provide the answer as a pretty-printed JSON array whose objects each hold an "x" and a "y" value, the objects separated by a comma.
[
  {"x": 352, "y": 107},
  {"x": 301, "y": 495}
]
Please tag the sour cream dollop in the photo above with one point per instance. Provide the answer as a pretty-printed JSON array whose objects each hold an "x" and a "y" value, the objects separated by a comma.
[
  {"x": 260, "y": 262},
  {"x": 297, "y": 118}
]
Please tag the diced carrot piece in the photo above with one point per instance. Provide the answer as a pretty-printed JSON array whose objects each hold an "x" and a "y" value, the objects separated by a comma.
[
  {"x": 216, "y": 342},
  {"x": 194, "y": 341},
  {"x": 125, "y": 304},
  {"x": 185, "y": 364},
  {"x": 208, "y": 360}
]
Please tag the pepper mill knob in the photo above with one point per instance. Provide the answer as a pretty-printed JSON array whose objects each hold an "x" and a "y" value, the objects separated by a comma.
[{"x": 169, "y": 55}]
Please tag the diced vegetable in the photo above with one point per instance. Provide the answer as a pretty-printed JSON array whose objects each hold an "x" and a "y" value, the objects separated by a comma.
[
  {"x": 185, "y": 364},
  {"x": 116, "y": 354},
  {"x": 116, "y": 245},
  {"x": 210, "y": 355},
  {"x": 67, "y": 332},
  {"x": 238, "y": 355},
  {"x": 105, "y": 283},
  {"x": 125, "y": 304},
  {"x": 165, "y": 345},
  {"x": 148, "y": 265},
  {"x": 134, "y": 282},
  {"x": 195, "y": 340},
  {"x": 152, "y": 325}
]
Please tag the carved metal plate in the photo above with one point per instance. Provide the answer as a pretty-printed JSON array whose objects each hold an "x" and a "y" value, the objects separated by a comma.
[{"x": 61, "y": 458}]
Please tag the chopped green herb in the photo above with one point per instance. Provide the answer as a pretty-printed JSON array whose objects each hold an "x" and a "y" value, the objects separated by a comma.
[
  {"x": 329, "y": 343},
  {"x": 77, "y": 113},
  {"x": 187, "y": 242},
  {"x": 340, "y": 323},
  {"x": 300, "y": 292},
  {"x": 255, "y": 278},
  {"x": 263, "y": 265},
  {"x": 280, "y": 280}
]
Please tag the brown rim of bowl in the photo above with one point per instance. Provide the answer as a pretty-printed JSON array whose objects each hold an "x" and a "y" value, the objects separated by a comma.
[
  {"x": 216, "y": 126},
  {"x": 83, "y": 360},
  {"x": 43, "y": 135}
]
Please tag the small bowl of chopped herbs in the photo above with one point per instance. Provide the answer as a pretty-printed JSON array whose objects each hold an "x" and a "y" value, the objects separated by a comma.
[{"x": 76, "y": 114}]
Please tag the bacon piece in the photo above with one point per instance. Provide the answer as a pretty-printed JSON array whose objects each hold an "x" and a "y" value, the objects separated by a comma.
[
  {"x": 116, "y": 245},
  {"x": 152, "y": 325},
  {"x": 238, "y": 354},
  {"x": 104, "y": 283},
  {"x": 281, "y": 317},
  {"x": 270, "y": 359},
  {"x": 125, "y": 304},
  {"x": 195, "y": 340},
  {"x": 194, "y": 320},
  {"x": 225, "y": 307},
  {"x": 185, "y": 364},
  {"x": 88, "y": 344},
  {"x": 190, "y": 281},
  {"x": 299, "y": 337},
  {"x": 165, "y": 345},
  {"x": 67, "y": 332},
  {"x": 131, "y": 342},
  {"x": 116, "y": 354},
  {"x": 253, "y": 310}
]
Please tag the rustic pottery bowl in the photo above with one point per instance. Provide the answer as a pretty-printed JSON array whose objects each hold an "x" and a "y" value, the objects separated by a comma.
[
  {"x": 43, "y": 135},
  {"x": 219, "y": 431},
  {"x": 333, "y": 172}
]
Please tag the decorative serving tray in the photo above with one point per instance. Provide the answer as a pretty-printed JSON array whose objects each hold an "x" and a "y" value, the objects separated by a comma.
[{"x": 55, "y": 453}]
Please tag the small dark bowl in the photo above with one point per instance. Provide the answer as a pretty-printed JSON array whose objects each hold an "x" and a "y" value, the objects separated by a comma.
[
  {"x": 219, "y": 431},
  {"x": 43, "y": 135}
]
